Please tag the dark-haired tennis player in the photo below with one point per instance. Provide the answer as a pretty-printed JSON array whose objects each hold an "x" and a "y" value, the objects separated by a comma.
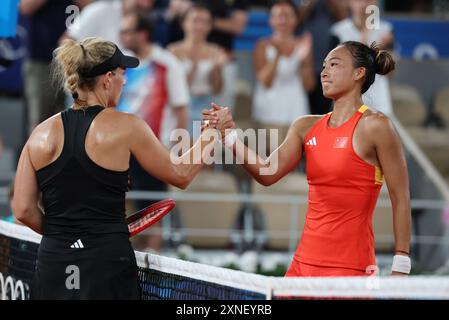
[
  {"x": 78, "y": 162},
  {"x": 348, "y": 152}
]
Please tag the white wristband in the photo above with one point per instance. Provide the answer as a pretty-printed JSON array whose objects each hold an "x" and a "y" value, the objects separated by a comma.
[
  {"x": 401, "y": 264},
  {"x": 230, "y": 138}
]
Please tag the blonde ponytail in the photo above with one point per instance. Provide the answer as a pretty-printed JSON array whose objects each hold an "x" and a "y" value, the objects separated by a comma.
[{"x": 71, "y": 58}]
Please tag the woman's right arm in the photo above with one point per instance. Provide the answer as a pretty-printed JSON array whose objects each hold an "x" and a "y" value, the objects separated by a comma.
[
  {"x": 265, "y": 70},
  {"x": 159, "y": 162},
  {"x": 175, "y": 49},
  {"x": 278, "y": 164},
  {"x": 26, "y": 192},
  {"x": 220, "y": 59}
]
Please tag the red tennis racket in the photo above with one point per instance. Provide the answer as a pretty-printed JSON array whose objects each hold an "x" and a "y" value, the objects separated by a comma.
[{"x": 142, "y": 219}]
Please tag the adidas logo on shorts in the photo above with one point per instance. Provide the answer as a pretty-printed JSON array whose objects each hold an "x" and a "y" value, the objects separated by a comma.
[{"x": 78, "y": 244}]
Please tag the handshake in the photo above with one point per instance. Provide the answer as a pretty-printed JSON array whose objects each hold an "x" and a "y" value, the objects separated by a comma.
[{"x": 220, "y": 118}]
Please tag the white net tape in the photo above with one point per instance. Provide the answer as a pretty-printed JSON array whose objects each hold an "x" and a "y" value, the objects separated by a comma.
[{"x": 374, "y": 287}]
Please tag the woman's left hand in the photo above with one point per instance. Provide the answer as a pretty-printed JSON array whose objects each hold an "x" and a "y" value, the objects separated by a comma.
[
  {"x": 304, "y": 46},
  {"x": 221, "y": 59},
  {"x": 219, "y": 118}
]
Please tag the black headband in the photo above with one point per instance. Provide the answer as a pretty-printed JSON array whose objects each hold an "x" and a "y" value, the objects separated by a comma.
[{"x": 118, "y": 59}]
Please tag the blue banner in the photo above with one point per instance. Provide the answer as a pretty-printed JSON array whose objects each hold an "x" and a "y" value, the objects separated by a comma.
[
  {"x": 9, "y": 10},
  {"x": 415, "y": 38},
  {"x": 421, "y": 39}
]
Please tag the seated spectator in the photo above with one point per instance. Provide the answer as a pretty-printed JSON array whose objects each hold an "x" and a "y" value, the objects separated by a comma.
[
  {"x": 202, "y": 61},
  {"x": 284, "y": 67},
  {"x": 357, "y": 28}
]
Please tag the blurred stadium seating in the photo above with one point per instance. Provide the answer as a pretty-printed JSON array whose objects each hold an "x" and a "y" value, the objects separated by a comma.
[{"x": 208, "y": 224}]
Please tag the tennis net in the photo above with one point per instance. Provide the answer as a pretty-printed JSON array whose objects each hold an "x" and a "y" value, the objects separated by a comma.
[{"x": 168, "y": 278}]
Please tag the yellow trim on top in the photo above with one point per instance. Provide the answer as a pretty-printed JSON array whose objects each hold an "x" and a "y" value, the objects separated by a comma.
[
  {"x": 363, "y": 108},
  {"x": 378, "y": 176}
]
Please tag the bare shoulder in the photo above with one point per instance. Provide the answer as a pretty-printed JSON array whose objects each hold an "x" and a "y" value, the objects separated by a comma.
[
  {"x": 122, "y": 121},
  {"x": 47, "y": 132},
  {"x": 214, "y": 49},
  {"x": 303, "y": 124},
  {"x": 176, "y": 49},
  {"x": 119, "y": 128},
  {"x": 262, "y": 43},
  {"x": 374, "y": 122},
  {"x": 45, "y": 141}
]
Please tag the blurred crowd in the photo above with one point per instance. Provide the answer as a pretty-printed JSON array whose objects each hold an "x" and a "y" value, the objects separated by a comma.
[{"x": 187, "y": 56}]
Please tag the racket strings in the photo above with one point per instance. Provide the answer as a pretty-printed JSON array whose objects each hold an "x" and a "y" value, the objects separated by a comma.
[{"x": 145, "y": 219}]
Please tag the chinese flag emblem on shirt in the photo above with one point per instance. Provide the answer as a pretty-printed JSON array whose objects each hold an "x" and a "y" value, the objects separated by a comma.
[{"x": 341, "y": 142}]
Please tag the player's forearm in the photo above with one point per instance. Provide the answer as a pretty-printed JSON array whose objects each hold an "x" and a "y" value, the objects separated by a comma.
[
  {"x": 258, "y": 167},
  {"x": 402, "y": 223},
  {"x": 31, "y": 217},
  {"x": 191, "y": 162}
]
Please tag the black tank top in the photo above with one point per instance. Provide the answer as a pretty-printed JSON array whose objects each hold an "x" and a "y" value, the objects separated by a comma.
[{"x": 80, "y": 197}]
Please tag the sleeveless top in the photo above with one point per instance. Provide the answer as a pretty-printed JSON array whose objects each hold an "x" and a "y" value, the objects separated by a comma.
[
  {"x": 343, "y": 191},
  {"x": 79, "y": 196},
  {"x": 201, "y": 85},
  {"x": 286, "y": 99}
]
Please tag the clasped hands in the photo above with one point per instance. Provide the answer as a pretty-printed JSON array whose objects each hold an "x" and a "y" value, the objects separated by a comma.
[{"x": 219, "y": 118}]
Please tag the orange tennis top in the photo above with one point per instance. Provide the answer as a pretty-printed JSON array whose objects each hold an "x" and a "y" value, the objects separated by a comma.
[{"x": 343, "y": 191}]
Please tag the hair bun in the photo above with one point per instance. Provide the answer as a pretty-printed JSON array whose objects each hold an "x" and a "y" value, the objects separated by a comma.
[{"x": 383, "y": 59}]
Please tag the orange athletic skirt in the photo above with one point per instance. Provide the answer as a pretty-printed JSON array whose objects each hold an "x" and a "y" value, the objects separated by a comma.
[{"x": 300, "y": 269}]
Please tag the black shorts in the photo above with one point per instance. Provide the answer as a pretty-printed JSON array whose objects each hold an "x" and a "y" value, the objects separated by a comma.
[{"x": 99, "y": 266}]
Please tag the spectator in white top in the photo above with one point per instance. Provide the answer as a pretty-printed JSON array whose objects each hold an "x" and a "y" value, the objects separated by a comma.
[
  {"x": 202, "y": 61},
  {"x": 362, "y": 27},
  {"x": 284, "y": 67}
]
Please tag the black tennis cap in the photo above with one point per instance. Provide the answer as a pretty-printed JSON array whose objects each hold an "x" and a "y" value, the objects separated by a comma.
[{"x": 117, "y": 60}]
